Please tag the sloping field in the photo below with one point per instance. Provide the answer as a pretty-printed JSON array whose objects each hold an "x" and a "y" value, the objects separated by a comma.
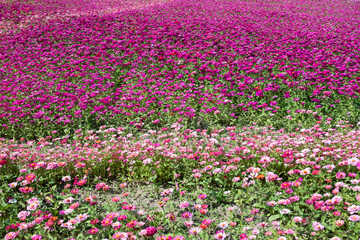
[{"x": 217, "y": 63}]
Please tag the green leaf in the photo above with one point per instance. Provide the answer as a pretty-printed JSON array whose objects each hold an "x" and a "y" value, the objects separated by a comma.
[
  {"x": 259, "y": 205},
  {"x": 49, "y": 199},
  {"x": 274, "y": 217}
]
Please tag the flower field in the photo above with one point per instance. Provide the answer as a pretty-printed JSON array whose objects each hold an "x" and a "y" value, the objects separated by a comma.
[
  {"x": 221, "y": 63},
  {"x": 179, "y": 119}
]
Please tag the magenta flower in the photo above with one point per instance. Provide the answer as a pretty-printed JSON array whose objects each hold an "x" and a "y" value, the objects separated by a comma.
[
  {"x": 186, "y": 215},
  {"x": 151, "y": 231},
  {"x": 202, "y": 196}
]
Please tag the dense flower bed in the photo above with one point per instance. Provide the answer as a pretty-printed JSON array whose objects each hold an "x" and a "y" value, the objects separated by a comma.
[
  {"x": 213, "y": 63},
  {"x": 228, "y": 184}
]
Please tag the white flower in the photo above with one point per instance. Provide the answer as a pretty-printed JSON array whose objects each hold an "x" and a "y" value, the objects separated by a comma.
[
  {"x": 116, "y": 224},
  {"x": 68, "y": 211},
  {"x": 246, "y": 229},
  {"x": 194, "y": 231},
  {"x": 68, "y": 200},
  {"x": 32, "y": 207},
  {"x": 66, "y": 178},
  {"x": 223, "y": 225},
  {"x": 284, "y": 211},
  {"x": 12, "y": 185},
  {"x": 141, "y": 212},
  {"x": 220, "y": 236},
  {"x": 305, "y": 171},
  {"x": 147, "y": 161}
]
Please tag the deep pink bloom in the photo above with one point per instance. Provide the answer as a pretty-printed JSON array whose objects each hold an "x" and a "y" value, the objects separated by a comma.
[
  {"x": 93, "y": 231},
  {"x": 151, "y": 231}
]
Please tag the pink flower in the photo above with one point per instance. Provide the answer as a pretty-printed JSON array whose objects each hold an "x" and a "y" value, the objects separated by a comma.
[
  {"x": 122, "y": 217},
  {"x": 120, "y": 235},
  {"x": 254, "y": 211},
  {"x": 23, "y": 214},
  {"x": 354, "y": 218},
  {"x": 202, "y": 196},
  {"x": 317, "y": 226},
  {"x": 81, "y": 182},
  {"x": 203, "y": 211},
  {"x": 188, "y": 223},
  {"x": 339, "y": 223},
  {"x": 358, "y": 197},
  {"x": 197, "y": 175},
  {"x": 207, "y": 222},
  {"x": 236, "y": 179},
  {"x": 93, "y": 231},
  {"x": 36, "y": 237},
  {"x": 11, "y": 235},
  {"x": 131, "y": 224},
  {"x": 99, "y": 186},
  {"x": 115, "y": 199},
  {"x": 163, "y": 237},
  {"x": 106, "y": 222},
  {"x": 186, "y": 215},
  {"x": 74, "y": 191},
  {"x": 340, "y": 175},
  {"x": 150, "y": 231},
  {"x": 289, "y": 191},
  {"x": 243, "y": 236},
  {"x": 184, "y": 205},
  {"x": 178, "y": 238},
  {"x": 337, "y": 213}
]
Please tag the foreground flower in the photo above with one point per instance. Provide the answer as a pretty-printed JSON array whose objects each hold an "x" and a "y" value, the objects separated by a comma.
[
  {"x": 150, "y": 231},
  {"x": 36, "y": 237},
  {"x": 220, "y": 236},
  {"x": 11, "y": 235},
  {"x": 120, "y": 235}
]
